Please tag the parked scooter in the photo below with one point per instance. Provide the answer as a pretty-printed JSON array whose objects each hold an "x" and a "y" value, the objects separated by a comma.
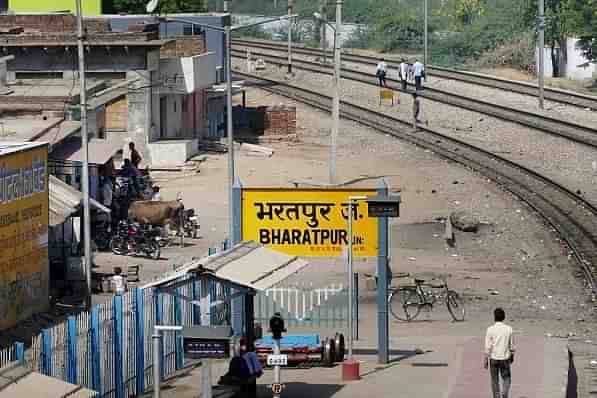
[{"x": 134, "y": 239}]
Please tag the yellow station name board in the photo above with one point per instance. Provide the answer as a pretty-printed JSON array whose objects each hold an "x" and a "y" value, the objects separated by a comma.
[{"x": 308, "y": 222}]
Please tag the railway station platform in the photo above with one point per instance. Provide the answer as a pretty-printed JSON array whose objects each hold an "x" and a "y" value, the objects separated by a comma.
[{"x": 421, "y": 367}]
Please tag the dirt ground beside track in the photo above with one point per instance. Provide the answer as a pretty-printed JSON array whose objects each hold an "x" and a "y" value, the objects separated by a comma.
[{"x": 514, "y": 260}]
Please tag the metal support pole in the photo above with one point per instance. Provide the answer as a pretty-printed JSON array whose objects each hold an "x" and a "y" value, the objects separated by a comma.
[
  {"x": 426, "y": 35},
  {"x": 206, "y": 390},
  {"x": 290, "y": 36},
  {"x": 382, "y": 286},
  {"x": 226, "y": 7},
  {"x": 323, "y": 33},
  {"x": 336, "y": 102},
  {"x": 541, "y": 49},
  {"x": 276, "y": 367},
  {"x": 229, "y": 126},
  {"x": 356, "y": 305},
  {"x": 85, "y": 149},
  {"x": 156, "y": 339},
  {"x": 350, "y": 280}
]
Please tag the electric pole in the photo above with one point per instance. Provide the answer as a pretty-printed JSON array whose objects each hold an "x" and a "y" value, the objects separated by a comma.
[
  {"x": 290, "y": 4},
  {"x": 336, "y": 102},
  {"x": 541, "y": 50},
  {"x": 85, "y": 149}
]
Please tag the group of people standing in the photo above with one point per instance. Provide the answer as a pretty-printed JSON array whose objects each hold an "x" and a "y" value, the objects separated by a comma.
[
  {"x": 244, "y": 370},
  {"x": 406, "y": 71}
]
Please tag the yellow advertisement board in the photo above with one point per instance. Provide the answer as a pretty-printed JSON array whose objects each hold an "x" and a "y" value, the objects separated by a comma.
[
  {"x": 308, "y": 222},
  {"x": 24, "y": 273}
]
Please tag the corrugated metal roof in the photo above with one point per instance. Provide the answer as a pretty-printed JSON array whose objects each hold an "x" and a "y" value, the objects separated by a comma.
[
  {"x": 246, "y": 264},
  {"x": 253, "y": 265},
  {"x": 100, "y": 151},
  {"x": 17, "y": 381},
  {"x": 65, "y": 200}
]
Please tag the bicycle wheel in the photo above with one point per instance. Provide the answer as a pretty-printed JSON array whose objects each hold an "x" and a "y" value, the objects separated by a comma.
[
  {"x": 404, "y": 304},
  {"x": 455, "y": 305}
]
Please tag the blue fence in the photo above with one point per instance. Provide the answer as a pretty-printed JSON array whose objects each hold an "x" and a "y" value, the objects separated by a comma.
[
  {"x": 109, "y": 349},
  {"x": 12, "y": 354}
]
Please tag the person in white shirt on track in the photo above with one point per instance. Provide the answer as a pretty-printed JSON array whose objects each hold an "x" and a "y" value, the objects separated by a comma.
[{"x": 382, "y": 70}]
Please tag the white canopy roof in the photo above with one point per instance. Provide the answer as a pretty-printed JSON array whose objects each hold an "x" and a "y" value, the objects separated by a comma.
[{"x": 246, "y": 264}]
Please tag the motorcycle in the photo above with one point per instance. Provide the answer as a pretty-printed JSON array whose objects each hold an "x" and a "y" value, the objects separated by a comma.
[
  {"x": 102, "y": 234},
  {"x": 134, "y": 239},
  {"x": 190, "y": 223}
]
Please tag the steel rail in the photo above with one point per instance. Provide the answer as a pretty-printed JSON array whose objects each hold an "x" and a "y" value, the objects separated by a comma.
[
  {"x": 568, "y": 213},
  {"x": 552, "y": 94},
  {"x": 576, "y": 132}
]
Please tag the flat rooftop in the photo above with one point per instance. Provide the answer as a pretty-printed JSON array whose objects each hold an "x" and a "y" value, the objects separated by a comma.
[
  {"x": 50, "y": 88},
  {"x": 6, "y": 148},
  {"x": 17, "y": 129}
]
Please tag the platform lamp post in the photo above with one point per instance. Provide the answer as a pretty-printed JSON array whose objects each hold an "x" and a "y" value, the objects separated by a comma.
[
  {"x": 336, "y": 99},
  {"x": 227, "y": 30}
]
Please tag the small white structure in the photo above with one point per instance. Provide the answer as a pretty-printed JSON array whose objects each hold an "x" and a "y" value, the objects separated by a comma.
[{"x": 576, "y": 68}]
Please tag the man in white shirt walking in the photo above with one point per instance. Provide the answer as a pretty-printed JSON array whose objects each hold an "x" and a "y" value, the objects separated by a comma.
[
  {"x": 419, "y": 72},
  {"x": 382, "y": 70},
  {"x": 403, "y": 71},
  {"x": 499, "y": 354}
]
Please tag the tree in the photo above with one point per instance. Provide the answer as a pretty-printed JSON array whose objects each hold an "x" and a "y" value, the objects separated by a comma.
[
  {"x": 557, "y": 30},
  {"x": 165, "y": 6},
  {"x": 582, "y": 21},
  {"x": 467, "y": 10}
]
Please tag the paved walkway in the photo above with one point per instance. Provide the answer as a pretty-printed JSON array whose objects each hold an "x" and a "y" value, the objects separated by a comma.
[
  {"x": 527, "y": 370},
  {"x": 450, "y": 367}
]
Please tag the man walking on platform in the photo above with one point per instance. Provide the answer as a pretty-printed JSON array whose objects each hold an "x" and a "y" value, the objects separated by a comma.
[
  {"x": 419, "y": 72},
  {"x": 499, "y": 354}
]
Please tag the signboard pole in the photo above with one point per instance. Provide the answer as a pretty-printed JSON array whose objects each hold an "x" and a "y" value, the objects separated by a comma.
[
  {"x": 157, "y": 344},
  {"x": 206, "y": 391},
  {"x": 276, "y": 367},
  {"x": 382, "y": 286}
]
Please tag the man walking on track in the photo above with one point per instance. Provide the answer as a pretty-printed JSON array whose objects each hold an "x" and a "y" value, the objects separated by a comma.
[
  {"x": 419, "y": 72},
  {"x": 382, "y": 69},
  {"x": 403, "y": 71},
  {"x": 499, "y": 354}
]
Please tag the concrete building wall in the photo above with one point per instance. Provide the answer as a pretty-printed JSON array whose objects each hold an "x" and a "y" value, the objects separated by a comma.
[
  {"x": 139, "y": 111},
  {"x": 215, "y": 40},
  {"x": 59, "y": 59},
  {"x": 116, "y": 115}
]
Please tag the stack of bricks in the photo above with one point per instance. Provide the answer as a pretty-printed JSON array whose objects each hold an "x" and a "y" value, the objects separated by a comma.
[
  {"x": 183, "y": 47},
  {"x": 280, "y": 123},
  {"x": 62, "y": 27}
]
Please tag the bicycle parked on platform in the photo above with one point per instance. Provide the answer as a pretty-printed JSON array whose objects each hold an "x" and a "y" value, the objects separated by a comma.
[{"x": 406, "y": 302}]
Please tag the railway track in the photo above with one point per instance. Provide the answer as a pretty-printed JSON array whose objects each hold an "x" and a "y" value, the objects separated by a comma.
[
  {"x": 571, "y": 215},
  {"x": 552, "y": 94},
  {"x": 557, "y": 127}
]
